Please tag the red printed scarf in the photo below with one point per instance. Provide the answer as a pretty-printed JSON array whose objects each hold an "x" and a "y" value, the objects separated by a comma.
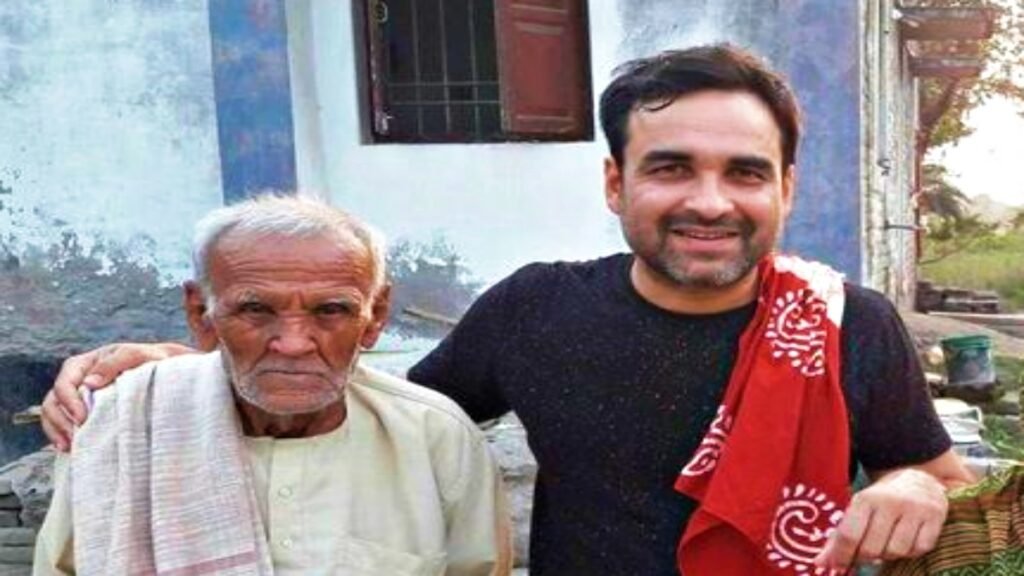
[{"x": 770, "y": 475}]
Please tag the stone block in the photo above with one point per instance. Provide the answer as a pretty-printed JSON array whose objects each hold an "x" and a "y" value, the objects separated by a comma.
[
  {"x": 8, "y": 519},
  {"x": 17, "y": 536},
  {"x": 519, "y": 470},
  {"x": 10, "y": 502},
  {"x": 17, "y": 555},
  {"x": 6, "y": 487},
  {"x": 15, "y": 570}
]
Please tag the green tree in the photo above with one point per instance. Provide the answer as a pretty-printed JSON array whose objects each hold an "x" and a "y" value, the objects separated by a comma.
[
  {"x": 940, "y": 198},
  {"x": 951, "y": 226},
  {"x": 946, "y": 102}
]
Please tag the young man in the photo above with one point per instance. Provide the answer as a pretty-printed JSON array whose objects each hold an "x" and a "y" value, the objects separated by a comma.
[{"x": 699, "y": 403}]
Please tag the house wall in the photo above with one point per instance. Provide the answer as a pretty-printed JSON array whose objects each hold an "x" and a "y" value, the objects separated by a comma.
[
  {"x": 889, "y": 129},
  {"x": 499, "y": 206},
  {"x": 108, "y": 157},
  {"x": 109, "y": 124},
  {"x": 126, "y": 121},
  {"x": 816, "y": 43}
]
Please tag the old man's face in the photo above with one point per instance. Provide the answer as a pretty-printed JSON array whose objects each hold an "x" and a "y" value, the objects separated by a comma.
[{"x": 291, "y": 315}]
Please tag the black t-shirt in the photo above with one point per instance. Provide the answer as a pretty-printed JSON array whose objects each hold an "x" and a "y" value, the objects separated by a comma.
[{"x": 616, "y": 393}]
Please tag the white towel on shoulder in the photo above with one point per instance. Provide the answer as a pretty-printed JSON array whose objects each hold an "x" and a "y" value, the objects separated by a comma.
[{"x": 160, "y": 480}]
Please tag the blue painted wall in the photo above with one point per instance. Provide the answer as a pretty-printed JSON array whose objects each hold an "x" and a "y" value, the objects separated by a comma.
[
  {"x": 820, "y": 52},
  {"x": 249, "y": 41},
  {"x": 816, "y": 43}
]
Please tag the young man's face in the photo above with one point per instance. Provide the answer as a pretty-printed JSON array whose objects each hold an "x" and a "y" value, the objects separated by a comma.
[{"x": 702, "y": 194}]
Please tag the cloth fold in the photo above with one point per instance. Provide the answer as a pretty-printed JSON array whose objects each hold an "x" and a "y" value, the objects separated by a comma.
[
  {"x": 160, "y": 480},
  {"x": 983, "y": 534},
  {"x": 770, "y": 474}
]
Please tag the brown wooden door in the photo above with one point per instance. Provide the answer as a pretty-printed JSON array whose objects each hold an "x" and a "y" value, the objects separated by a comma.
[{"x": 544, "y": 68}]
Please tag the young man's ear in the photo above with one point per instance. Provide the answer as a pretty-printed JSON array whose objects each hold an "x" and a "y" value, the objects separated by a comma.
[
  {"x": 199, "y": 324},
  {"x": 379, "y": 312},
  {"x": 613, "y": 185},
  {"x": 788, "y": 190}
]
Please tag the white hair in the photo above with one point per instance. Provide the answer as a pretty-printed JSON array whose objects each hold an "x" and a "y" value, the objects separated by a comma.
[{"x": 287, "y": 216}]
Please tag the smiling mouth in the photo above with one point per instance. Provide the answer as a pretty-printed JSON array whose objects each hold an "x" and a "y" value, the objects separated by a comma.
[{"x": 698, "y": 234}]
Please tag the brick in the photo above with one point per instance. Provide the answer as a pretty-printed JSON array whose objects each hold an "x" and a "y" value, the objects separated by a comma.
[
  {"x": 15, "y": 570},
  {"x": 17, "y": 555},
  {"x": 17, "y": 537}
]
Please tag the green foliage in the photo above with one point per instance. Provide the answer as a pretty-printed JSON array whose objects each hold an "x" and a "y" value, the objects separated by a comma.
[
  {"x": 1005, "y": 435},
  {"x": 945, "y": 103},
  {"x": 1009, "y": 371},
  {"x": 991, "y": 262},
  {"x": 949, "y": 223},
  {"x": 1018, "y": 221},
  {"x": 941, "y": 198}
]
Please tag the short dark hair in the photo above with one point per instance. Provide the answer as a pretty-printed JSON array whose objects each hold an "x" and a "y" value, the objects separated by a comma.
[{"x": 657, "y": 81}]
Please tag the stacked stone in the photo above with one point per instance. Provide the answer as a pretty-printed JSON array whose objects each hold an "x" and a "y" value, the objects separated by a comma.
[
  {"x": 519, "y": 471},
  {"x": 17, "y": 542},
  {"x": 25, "y": 492}
]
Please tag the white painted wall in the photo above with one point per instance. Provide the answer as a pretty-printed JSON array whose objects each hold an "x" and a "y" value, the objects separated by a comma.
[
  {"x": 500, "y": 205},
  {"x": 109, "y": 125},
  {"x": 889, "y": 129}
]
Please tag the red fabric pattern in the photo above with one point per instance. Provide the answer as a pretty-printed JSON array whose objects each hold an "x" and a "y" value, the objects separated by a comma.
[{"x": 770, "y": 474}]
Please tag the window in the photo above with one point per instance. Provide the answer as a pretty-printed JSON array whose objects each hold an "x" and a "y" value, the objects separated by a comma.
[{"x": 478, "y": 70}]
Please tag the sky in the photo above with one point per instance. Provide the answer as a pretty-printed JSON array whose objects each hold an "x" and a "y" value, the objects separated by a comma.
[{"x": 991, "y": 160}]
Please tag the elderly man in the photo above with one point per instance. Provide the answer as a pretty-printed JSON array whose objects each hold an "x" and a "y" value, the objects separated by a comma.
[
  {"x": 278, "y": 452},
  {"x": 697, "y": 404}
]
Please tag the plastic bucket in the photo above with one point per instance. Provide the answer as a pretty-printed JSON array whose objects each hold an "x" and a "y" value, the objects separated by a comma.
[{"x": 969, "y": 366}]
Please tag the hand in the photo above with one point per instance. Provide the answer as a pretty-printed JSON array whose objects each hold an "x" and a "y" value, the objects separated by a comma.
[
  {"x": 900, "y": 515},
  {"x": 63, "y": 408}
]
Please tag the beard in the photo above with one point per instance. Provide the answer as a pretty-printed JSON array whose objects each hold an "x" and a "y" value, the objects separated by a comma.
[
  {"x": 247, "y": 388},
  {"x": 694, "y": 270}
]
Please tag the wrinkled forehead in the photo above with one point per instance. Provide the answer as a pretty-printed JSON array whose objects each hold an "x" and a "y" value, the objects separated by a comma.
[{"x": 332, "y": 258}]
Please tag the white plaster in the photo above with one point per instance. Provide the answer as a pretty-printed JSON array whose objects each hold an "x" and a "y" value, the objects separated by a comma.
[
  {"x": 109, "y": 123},
  {"x": 503, "y": 205},
  {"x": 500, "y": 205}
]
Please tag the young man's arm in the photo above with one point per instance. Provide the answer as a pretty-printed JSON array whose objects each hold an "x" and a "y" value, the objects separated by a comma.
[
  {"x": 897, "y": 437},
  {"x": 63, "y": 407},
  {"x": 900, "y": 515}
]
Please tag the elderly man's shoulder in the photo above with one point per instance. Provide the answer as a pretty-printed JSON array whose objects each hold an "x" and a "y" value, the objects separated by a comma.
[
  {"x": 177, "y": 371},
  {"x": 404, "y": 400}
]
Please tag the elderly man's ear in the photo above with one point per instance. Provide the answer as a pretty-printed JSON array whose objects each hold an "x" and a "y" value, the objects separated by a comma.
[
  {"x": 378, "y": 317},
  {"x": 199, "y": 324}
]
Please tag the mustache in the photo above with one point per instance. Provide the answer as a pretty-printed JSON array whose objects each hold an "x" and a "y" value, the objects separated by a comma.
[
  {"x": 290, "y": 369},
  {"x": 739, "y": 225}
]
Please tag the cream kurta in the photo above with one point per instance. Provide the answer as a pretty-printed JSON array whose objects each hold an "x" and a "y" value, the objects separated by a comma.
[{"x": 406, "y": 486}]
